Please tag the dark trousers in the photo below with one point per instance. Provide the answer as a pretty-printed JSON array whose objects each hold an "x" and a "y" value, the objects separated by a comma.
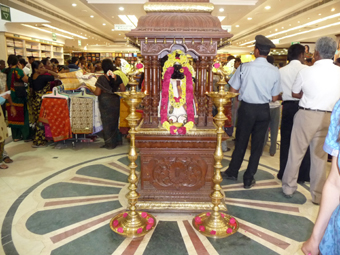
[
  {"x": 253, "y": 119},
  {"x": 289, "y": 109}
]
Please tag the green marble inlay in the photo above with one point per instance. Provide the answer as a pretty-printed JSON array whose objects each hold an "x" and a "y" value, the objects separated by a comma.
[
  {"x": 104, "y": 172},
  {"x": 294, "y": 227},
  {"x": 272, "y": 195},
  {"x": 239, "y": 244},
  {"x": 126, "y": 161},
  {"x": 43, "y": 222},
  {"x": 65, "y": 189},
  {"x": 225, "y": 162},
  {"x": 259, "y": 176},
  {"x": 102, "y": 241},
  {"x": 166, "y": 240}
]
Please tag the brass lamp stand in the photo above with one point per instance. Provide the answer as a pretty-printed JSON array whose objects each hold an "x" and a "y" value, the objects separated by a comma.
[
  {"x": 132, "y": 223},
  {"x": 216, "y": 224}
]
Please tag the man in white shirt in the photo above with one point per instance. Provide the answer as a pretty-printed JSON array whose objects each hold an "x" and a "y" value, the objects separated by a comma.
[
  {"x": 290, "y": 106},
  {"x": 319, "y": 89}
]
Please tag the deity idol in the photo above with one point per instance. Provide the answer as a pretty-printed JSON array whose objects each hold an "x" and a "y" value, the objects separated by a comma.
[{"x": 177, "y": 105}]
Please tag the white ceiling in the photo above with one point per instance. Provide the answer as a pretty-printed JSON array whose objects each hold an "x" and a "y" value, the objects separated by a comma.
[{"x": 283, "y": 15}]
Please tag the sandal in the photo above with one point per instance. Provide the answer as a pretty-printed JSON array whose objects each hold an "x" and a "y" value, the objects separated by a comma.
[
  {"x": 3, "y": 166},
  {"x": 8, "y": 160},
  {"x": 16, "y": 140}
]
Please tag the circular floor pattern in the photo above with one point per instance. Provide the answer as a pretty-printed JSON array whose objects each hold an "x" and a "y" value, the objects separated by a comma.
[{"x": 69, "y": 213}]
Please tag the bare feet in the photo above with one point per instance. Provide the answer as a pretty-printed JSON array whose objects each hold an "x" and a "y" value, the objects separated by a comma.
[{"x": 3, "y": 166}]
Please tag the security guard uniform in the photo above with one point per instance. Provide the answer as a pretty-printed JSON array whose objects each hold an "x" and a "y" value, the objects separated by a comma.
[{"x": 257, "y": 82}]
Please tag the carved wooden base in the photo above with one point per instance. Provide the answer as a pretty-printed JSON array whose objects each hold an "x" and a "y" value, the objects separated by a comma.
[{"x": 175, "y": 170}]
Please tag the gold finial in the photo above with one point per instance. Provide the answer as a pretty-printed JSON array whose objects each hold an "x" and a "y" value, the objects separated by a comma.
[
  {"x": 137, "y": 41},
  {"x": 155, "y": 40},
  {"x": 174, "y": 40},
  {"x": 146, "y": 40},
  {"x": 202, "y": 40},
  {"x": 193, "y": 41},
  {"x": 210, "y": 41},
  {"x": 183, "y": 40},
  {"x": 164, "y": 41}
]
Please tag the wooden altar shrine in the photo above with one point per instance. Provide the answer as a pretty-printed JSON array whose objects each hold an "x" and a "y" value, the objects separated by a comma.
[{"x": 177, "y": 170}]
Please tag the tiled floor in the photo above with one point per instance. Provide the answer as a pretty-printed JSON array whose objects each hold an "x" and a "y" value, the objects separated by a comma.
[{"x": 60, "y": 202}]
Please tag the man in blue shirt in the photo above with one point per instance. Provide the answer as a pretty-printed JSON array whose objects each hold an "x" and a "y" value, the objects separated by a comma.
[{"x": 258, "y": 83}]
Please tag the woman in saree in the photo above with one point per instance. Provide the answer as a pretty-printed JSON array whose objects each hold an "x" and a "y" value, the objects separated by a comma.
[
  {"x": 109, "y": 103},
  {"x": 39, "y": 84},
  {"x": 18, "y": 119}
]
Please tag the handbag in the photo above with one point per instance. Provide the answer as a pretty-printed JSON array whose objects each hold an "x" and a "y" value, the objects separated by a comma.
[{"x": 20, "y": 89}]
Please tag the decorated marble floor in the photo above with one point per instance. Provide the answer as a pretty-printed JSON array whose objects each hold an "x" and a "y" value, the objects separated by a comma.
[{"x": 60, "y": 202}]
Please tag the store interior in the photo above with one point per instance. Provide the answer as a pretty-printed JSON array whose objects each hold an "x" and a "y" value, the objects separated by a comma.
[{"x": 60, "y": 199}]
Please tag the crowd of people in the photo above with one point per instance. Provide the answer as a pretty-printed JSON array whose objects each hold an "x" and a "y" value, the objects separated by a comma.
[
  {"x": 310, "y": 93},
  {"x": 29, "y": 81}
]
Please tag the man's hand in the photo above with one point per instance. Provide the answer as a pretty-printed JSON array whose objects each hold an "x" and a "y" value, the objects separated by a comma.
[{"x": 13, "y": 111}]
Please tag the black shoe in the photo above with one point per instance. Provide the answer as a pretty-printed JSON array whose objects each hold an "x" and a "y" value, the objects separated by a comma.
[
  {"x": 279, "y": 177},
  {"x": 229, "y": 177},
  {"x": 249, "y": 185}
]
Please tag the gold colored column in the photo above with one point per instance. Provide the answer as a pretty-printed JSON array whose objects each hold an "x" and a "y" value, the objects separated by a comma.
[
  {"x": 132, "y": 223},
  {"x": 216, "y": 224}
]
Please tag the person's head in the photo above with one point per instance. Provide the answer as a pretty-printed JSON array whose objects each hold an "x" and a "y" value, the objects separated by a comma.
[
  {"x": 12, "y": 60},
  {"x": 237, "y": 63},
  {"x": 262, "y": 46},
  {"x": 54, "y": 61},
  {"x": 82, "y": 59},
  {"x": 99, "y": 66},
  {"x": 37, "y": 68},
  {"x": 337, "y": 62},
  {"x": 22, "y": 63},
  {"x": 281, "y": 64},
  {"x": 2, "y": 64},
  {"x": 296, "y": 52},
  {"x": 19, "y": 57},
  {"x": 47, "y": 64},
  {"x": 325, "y": 48},
  {"x": 31, "y": 59},
  {"x": 75, "y": 60},
  {"x": 306, "y": 49},
  {"x": 270, "y": 59},
  {"x": 107, "y": 65},
  {"x": 117, "y": 61},
  {"x": 231, "y": 57}
]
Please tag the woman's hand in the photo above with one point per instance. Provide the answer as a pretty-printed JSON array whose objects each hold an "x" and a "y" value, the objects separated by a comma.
[
  {"x": 13, "y": 111},
  {"x": 6, "y": 96},
  {"x": 311, "y": 247}
]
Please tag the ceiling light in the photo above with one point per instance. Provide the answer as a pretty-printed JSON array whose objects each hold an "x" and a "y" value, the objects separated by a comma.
[
  {"x": 92, "y": 16},
  {"x": 104, "y": 24},
  {"x": 133, "y": 19},
  {"x": 113, "y": 29},
  {"x": 333, "y": 9},
  {"x": 121, "y": 8},
  {"x": 275, "y": 29},
  {"x": 221, "y": 10},
  {"x": 64, "y": 31},
  {"x": 267, "y": 7},
  {"x": 250, "y": 18},
  {"x": 237, "y": 26},
  {"x": 298, "y": 21},
  {"x": 119, "y": 34},
  {"x": 126, "y": 20},
  {"x": 290, "y": 25},
  {"x": 282, "y": 27},
  {"x": 221, "y": 18},
  {"x": 44, "y": 30},
  {"x": 74, "y": 5}
]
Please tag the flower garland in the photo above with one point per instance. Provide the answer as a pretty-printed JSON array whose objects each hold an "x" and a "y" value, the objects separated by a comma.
[
  {"x": 189, "y": 98},
  {"x": 177, "y": 102}
]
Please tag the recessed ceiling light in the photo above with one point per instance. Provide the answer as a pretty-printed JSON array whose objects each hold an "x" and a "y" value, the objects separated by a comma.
[
  {"x": 104, "y": 24},
  {"x": 119, "y": 34},
  {"x": 113, "y": 29},
  {"x": 333, "y": 9},
  {"x": 74, "y": 5},
  {"x": 121, "y": 8},
  {"x": 92, "y": 16},
  {"x": 237, "y": 25},
  {"x": 267, "y": 7},
  {"x": 282, "y": 27},
  {"x": 275, "y": 29},
  {"x": 298, "y": 21},
  {"x": 319, "y": 14},
  {"x": 250, "y": 18},
  {"x": 221, "y": 10},
  {"x": 290, "y": 25}
]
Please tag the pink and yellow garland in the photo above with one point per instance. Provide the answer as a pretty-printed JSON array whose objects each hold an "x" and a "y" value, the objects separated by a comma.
[{"x": 189, "y": 100}]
